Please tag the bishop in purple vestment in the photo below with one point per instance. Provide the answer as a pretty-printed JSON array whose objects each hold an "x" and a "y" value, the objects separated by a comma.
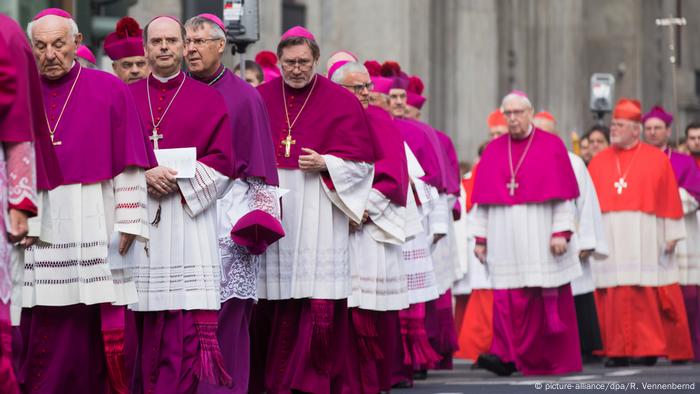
[{"x": 253, "y": 197}]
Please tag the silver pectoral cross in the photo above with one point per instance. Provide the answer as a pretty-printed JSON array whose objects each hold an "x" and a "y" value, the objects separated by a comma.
[
  {"x": 154, "y": 137},
  {"x": 621, "y": 184},
  {"x": 512, "y": 185}
]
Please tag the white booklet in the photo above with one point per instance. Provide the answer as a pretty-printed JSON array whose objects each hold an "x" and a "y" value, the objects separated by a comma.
[{"x": 182, "y": 160}]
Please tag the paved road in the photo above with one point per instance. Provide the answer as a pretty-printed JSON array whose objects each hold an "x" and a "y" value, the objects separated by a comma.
[{"x": 594, "y": 379}]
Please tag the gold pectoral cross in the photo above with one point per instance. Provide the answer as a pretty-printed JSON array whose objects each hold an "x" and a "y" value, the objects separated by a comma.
[
  {"x": 512, "y": 185},
  {"x": 621, "y": 184},
  {"x": 288, "y": 142},
  {"x": 155, "y": 137}
]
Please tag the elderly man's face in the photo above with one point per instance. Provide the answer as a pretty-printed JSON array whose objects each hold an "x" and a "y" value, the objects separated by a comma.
[
  {"x": 624, "y": 133},
  {"x": 381, "y": 100},
  {"x": 359, "y": 84},
  {"x": 519, "y": 117},
  {"x": 131, "y": 68},
  {"x": 497, "y": 131},
  {"x": 397, "y": 102},
  {"x": 656, "y": 132},
  {"x": 298, "y": 65},
  {"x": 545, "y": 125},
  {"x": 165, "y": 47},
  {"x": 412, "y": 112},
  {"x": 54, "y": 46},
  {"x": 203, "y": 51}
]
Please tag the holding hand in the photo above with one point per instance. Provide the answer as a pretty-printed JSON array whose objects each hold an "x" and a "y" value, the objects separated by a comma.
[
  {"x": 161, "y": 181},
  {"x": 480, "y": 253},
  {"x": 312, "y": 161},
  {"x": 558, "y": 245},
  {"x": 19, "y": 226}
]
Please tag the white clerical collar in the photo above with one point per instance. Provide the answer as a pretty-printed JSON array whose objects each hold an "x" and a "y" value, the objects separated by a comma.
[{"x": 166, "y": 79}]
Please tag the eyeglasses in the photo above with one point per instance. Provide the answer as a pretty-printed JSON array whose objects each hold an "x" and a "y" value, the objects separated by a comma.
[
  {"x": 514, "y": 112},
  {"x": 360, "y": 87},
  {"x": 303, "y": 64},
  {"x": 199, "y": 42}
]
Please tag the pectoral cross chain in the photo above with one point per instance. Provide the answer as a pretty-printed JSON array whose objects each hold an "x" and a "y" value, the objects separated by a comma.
[
  {"x": 155, "y": 137},
  {"x": 288, "y": 142}
]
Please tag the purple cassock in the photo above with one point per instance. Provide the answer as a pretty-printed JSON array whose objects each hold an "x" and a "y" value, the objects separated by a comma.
[
  {"x": 255, "y": 157},
  {"x": 99, "y": 135},
  {"x": 688, "y": 177},
  {"x": 391, "y": 171},
  {"x": 453, "y": 178},
  {"x": 22, "y": 113},
  {"x": 422, "y": 147},
  {"x": 528, "y": 323},
  {"x": 686, "y": 171}
]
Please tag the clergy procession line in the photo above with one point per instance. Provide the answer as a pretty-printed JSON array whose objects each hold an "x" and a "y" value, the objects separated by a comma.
[{"x": 183, "y": 230}]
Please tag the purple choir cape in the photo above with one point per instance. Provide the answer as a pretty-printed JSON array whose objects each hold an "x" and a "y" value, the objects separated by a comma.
[
  {"x": 421, "y": 146},
  {"x": 437, "y": 146},
  {"x": 333, "y": 122},
  {"x": 545, "y": 175},
  {"x": 687, "y": 172},
  {"x": 390, "y": 172},
  {"x": 21, "y": 106},
  {"x": 254, "y": 155},
  {"x": 196, "y": 118},
  {"x": 100, "y": 134}
]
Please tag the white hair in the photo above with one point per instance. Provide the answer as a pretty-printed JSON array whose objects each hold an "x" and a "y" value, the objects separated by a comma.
[
  {"x": 71, "y": 24},
  {"x": 196, "y": 23},
  {"x": 348, "y": 68},
  {"x": 518, "y": 97}
]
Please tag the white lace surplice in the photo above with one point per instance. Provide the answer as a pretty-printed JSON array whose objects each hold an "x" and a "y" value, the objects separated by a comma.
[
  {"x": 688, "y": 249},
  {"x": 69, "y": 263},
  {"x": 17, "y": 183},
  {"x": 590, "y": 231},
  {"x": 181, "y": 269},
  {"x": 312, "y": 260},
  {"x": 239, "y": 268}
]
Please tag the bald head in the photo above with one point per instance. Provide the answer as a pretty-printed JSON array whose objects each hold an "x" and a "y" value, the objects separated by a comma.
[
  {"x": 164, "y": 45},
  {"x": 54, "y": 42}
]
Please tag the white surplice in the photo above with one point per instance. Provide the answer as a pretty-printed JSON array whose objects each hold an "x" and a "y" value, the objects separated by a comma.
[
  {"x": 417, "y": 260},
  {"x": 465, "y": 243},
  {"x": 180, "y": 268},
  {"x": 636, "y": 241},
  {"x": 688, "y": 250},
  {"x": 239, "y": 268},
  {"x": 312, "y": 260},
  {"x": 590, "y": 231},
  {"x": 518, "y": 244},
  {"x": 376, "y": 263},
  {"x": 78, "y": 233}
]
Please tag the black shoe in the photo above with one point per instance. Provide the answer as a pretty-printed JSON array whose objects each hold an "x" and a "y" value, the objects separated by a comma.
[
  {"x": 475, "y": 366},
  {"x": 591, "y": 359},
  {"x": 648, "y": 361},
  {"x": 404, "y": 384},
  {"x": 680, "y": 362},
  {"x": 615, "y": 362},
  {"x": 493, "y": 363},
  {"x": 420, "y": 375}
]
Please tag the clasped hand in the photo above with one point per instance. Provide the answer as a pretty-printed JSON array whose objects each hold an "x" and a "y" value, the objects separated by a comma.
[{"x": 161, "y": 181}]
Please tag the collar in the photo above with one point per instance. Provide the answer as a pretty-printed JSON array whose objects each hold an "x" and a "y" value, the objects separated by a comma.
[
  {"x": 210, "y": 78},
  {"x": 166, "y": 79},
  {"x": 171, "y": 82},
  {"x": 68, "y": 77}
]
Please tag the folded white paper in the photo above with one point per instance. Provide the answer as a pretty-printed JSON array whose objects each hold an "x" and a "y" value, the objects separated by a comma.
[{"x": 182, "y": 160}]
